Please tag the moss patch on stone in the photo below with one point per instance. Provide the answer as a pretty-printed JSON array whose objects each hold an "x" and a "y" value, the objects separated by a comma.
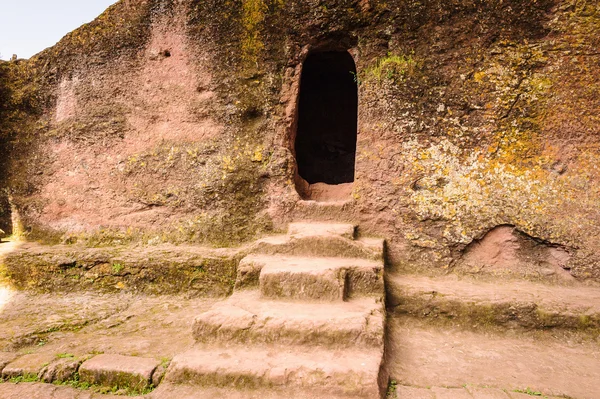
[
  {"x": 155, "y": 270},
  {"x": 495, "y": 316}
]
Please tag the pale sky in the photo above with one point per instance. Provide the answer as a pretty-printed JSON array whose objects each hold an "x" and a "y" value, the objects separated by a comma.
[{"x": 29, "y": 26}]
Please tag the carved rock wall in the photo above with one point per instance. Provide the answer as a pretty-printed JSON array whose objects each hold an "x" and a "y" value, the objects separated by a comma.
[{"x": 173, "y": 121}]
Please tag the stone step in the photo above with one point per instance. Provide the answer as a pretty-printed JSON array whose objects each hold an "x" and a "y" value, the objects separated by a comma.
[
  {"x": 336, "y": 278},
  {"x": 36, "y": 390},
  {"x": 314, "y": 229},
  {"x": 294, "y": 277},
  {"x": 511, "y": 304},
  {"x": 27, "y": 365},
  {"x": 320, "y": 278},
  {"x": 39, "y": 390},
  {"x": 32, "y": 390},
  {"x": 328, "y": 245},
  {"x": 335, "y": 211},
  {"x": 119, "y": 371},
  {"x": 153, "y": 269},
  {"x": 347, "y": 371},
  {"x": 179, "y": 391},
  {"x": 421, "y": 355},
  {"x": 246, "y": 318}
]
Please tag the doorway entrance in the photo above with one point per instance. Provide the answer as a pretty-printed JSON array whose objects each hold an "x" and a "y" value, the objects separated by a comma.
[{"x": 326, "y": 135}]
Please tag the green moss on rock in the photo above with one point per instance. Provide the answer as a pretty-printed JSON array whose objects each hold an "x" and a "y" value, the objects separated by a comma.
[{"x": 151, "y": 270}]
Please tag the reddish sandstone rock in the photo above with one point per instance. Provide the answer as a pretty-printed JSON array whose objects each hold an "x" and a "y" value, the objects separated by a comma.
[
  {"x": 60, "y": 370},
  {"x": 27, "y": 365},
  {"x": 117, "y": 370}
]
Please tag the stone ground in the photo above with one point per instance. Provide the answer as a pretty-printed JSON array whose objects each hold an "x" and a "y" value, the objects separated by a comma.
[
  {"x": 425, "y": 359},
  {"x": 39, "y": 390},
  {"x": 424, "y": 356}
]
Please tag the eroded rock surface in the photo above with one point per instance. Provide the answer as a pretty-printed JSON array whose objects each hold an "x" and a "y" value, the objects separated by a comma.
[{"x": 181, "y": 127}]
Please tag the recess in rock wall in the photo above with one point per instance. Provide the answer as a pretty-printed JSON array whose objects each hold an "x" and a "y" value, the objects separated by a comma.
[
  {"x": 505, "y": 250},
  {"x": 326, "y": 136}
]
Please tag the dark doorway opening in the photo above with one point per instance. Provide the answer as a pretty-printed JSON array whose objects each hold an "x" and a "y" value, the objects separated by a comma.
[{"x": 327, "y": 118}]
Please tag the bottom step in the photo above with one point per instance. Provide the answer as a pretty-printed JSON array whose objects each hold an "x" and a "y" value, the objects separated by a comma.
[
  {"x": 345, "y": 372},
  {"x": 182, "y": 391},
  {"x": 37, "y": 390}
]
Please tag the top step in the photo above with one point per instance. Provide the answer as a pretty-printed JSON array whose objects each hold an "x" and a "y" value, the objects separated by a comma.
[
  {"x": 307, "y": 229},
  {"x": 328, "y": 212},
  {"x": 321, "y": 239}
]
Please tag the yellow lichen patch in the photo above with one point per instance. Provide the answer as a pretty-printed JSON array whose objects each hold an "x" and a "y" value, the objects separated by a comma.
[
  {"x": 253, "y": 15},
  {"x": 222, "y": 190},
  {"x": 356, "y": 191},
  {"x": 520, "y": 105},
  {"x": 258, "y": 155},
  {"x": 478, "y": 191},
  {"x": 479, "y": 76},
  {"x": 393, "y": 67}
]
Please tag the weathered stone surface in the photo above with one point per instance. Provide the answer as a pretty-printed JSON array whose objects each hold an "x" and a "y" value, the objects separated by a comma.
[
  {"x": 36, "y": 390},
  {"x": 404, "y": 392},
  {"x": 505, "y": 251},
  {"x": 364, "y": 281},
  {"x": 165, "y": 269},
  {"x": 424, "y": 355},
  {"x": 340, "y": 372},
  {"x": 117, "y": 370},
  {"x": 521, "y": 395},
  {"x": 318, "y": 278},
  {"x": 179, "y": 391},
  {"x": 246, "y": 318},
  {"x": 6, "y": 358},
  {"x": 338, "y": 211},
  {"x": 60, "y": 370},
  {"x": 318, "y": 242},
  {"x": 447, "y": 149},
  {"x": 248, "y": 272},
  {"x": 159, "y": 374},
  {"x": 90, "y": 322},
  {"x": 30, "y": 390},
  {"x": 487, "y": 393},
  {"x": 27, "y": 365},
  {"x": 450, "y": 393},
  {"x": 322, "y": 229},
  {"x": 303, "y": 278},
  {"x": 480, "y": 303},
  {"x": 318, "y": 245},
  {"x": 230, "y": 321}
]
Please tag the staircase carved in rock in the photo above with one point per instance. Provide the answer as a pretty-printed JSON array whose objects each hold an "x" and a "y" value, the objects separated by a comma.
[{"x": 307, "y": 314}]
